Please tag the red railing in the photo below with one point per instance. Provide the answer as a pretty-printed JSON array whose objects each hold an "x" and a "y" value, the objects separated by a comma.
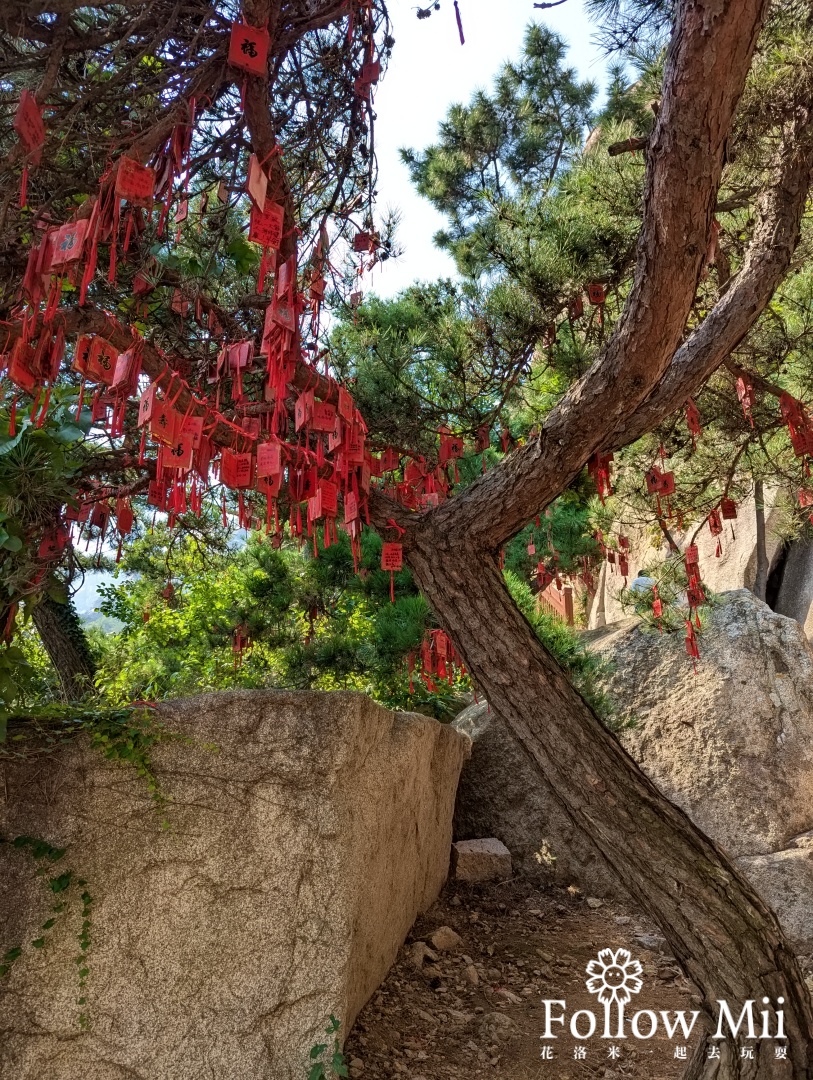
[{"x": 557, "y": 602}]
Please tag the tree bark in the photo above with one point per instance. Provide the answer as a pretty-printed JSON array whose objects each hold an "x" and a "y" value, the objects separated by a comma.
[
  {"x": 64, "y": 639},
  {"x": 761, "y": 577},
  {"x": 725, "y": 938},
  {"x": 722, "y": 934}
]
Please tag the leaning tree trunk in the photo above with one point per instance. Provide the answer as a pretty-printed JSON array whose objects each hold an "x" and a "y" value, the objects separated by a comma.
[
  {"x": 60, "y": 629},
  {"x": 723, "y": 935},
  {"x": 761, "y": 577}
]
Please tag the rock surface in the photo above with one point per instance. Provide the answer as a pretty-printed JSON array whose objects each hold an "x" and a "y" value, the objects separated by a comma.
[
  {"x": 501, "y": 794},
  {"x": 481, "y": 860},
  {"x": 298, "y": 857},
  {"x": 795, "y": 595},
  {"x": 735, "y": 568},
  {"x": 732, "y": 745},
  {"x": 785, "y": 880}
]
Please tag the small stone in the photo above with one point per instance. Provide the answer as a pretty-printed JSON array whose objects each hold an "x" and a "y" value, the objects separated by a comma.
[
  {"x": 650, "y": 941},
  {"x": 472, "y": 976},
  {"x": 460, "y": 1017},
  {"x": 420, "y": 951},
  {"x": 593, "y": 902},
  {"x": 357, "y": 1064},
  {"x": 481, "y": 860},
  {"x": 455, "y": 901},
  {"x": 508, "y": 996},
  {"x": 446, "y": 940},
  {"x": 497, "y": 1026}
]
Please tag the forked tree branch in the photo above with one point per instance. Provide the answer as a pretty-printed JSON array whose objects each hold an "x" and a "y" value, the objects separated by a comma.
[
  {"x": 780, "y": 211},
  {"x": 706, "y": 67}
]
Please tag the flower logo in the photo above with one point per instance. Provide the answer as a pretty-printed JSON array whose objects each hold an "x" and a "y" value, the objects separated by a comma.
[{"x": 614, "y": 978}]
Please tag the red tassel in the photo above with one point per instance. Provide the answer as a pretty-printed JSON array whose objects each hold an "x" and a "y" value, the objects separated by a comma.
[
  {"x": 12, "y": 420},
  {"x": 114, "y": 239},
  {"x": 42, "y": 415},
  {"x": 24, "y": 187}
]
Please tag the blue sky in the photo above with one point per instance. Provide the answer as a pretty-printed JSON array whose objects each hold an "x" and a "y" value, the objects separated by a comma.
[{"x": 429, "y": 71}]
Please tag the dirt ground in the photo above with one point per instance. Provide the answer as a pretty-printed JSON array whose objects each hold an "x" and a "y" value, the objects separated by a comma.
[{"x": 476, "y": 1011}]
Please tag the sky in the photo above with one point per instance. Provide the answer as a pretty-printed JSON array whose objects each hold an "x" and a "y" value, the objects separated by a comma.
[{"x": 429, "y": 71}]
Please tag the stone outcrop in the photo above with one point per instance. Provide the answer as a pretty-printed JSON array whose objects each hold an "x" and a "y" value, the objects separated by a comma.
[
  {"x": 301, "y": 847},
  {"x": 734, "y": 568},
  {"x": 795, "y": 594},
  {"x": 501, "y": 794},
  {"x": 732, "y": 745}
]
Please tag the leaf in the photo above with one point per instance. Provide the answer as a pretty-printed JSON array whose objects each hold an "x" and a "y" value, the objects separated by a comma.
[
  {"x": 317, "y": 1050},
  {"x": 337, "y": 1063},
  {"x": 12, "y": 543},
  {"x": 61, "y": 883},
  {"x": 7, "y": 445},
  {"x": 39, "y": 943},
  {"x": 86, "y": 420},
  {"x": 69, "y": 433}
]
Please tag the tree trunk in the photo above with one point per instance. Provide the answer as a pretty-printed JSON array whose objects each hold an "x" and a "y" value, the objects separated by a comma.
[
  {"x": 725, "y": 938},
  {"x": 64, "y": 639},
  {"x": 722, "y": 934},
  {"x": 761, "y": 578}
]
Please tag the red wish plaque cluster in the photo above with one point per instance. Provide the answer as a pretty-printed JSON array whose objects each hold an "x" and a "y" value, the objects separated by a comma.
[{"x": 436, "y": 661}]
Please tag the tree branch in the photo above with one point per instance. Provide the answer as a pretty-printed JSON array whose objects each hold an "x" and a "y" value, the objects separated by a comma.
[
  {"x": 780, "y": 212},
  {"x": 707, "y": 63}
]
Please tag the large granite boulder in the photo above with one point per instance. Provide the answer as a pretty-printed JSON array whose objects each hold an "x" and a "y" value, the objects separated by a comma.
[
  {"x": 501, "y": 794},
  {"x": 732, "y": 744},
  {"x": 795, "y": 593},
  {"x": 301, "y": 847}
]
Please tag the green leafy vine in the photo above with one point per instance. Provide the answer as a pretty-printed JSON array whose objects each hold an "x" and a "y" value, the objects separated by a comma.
[
  {"x": 60, "y": 885},
  {"x": 125, "y": 735},
  {"x": 327, "y": 1059}
]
